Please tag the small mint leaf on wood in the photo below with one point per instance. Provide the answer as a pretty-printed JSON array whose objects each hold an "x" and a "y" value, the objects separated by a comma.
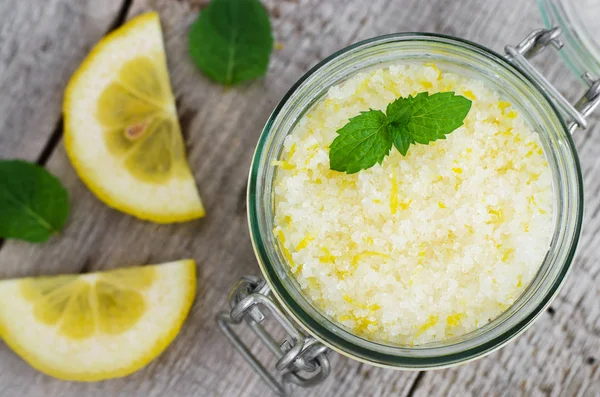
[
  {"x": 231, "y": 41},
  {"x": 33, "y": 203}
]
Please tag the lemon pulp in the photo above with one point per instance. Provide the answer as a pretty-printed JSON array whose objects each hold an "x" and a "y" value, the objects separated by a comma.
[
  {"x": 96, "y": 326},
  {"x": 121, "y": 128}
]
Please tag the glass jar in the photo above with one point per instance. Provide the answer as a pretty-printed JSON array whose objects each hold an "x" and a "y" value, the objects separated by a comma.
[
  {"x": 303, "y": 356},
  {"x": 580, "y": 32}
]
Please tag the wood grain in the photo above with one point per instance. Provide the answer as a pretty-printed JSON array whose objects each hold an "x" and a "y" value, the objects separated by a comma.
[
  {"x": 41, "y": 44},
  {"x": 558, "y": 356}
]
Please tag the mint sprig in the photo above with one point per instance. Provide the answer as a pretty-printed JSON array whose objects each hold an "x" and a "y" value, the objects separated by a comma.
[
  {"x": 366, "y": 141},
  {"x": 33, "y": 203},
  {"x": 367, "y": 138},
  {"x": 231, "y": 41}
]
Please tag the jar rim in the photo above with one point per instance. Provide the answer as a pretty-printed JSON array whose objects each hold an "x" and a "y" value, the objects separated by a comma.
[{"x": 339, "y": 342}]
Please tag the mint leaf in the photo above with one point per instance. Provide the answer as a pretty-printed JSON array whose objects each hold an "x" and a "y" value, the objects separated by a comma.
[
  {"x": 33, "y": 203},
  {"x": 437, "y": 115},
  {"x": 361, "y": 143},
  {"x": 401, "y": 138},
  {"x": 399, "y": 113},
  {"x": 368, "y": 137},
  {"x": 231, "y": 41}
]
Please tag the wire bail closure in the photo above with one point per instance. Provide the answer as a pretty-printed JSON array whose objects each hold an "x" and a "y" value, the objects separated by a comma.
[
  {"x": 302, "y": 360},
  {"x": 532, "y": 45}
]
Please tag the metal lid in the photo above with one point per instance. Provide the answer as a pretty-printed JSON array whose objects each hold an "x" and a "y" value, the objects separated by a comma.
[{"x": 579, "y": 21}]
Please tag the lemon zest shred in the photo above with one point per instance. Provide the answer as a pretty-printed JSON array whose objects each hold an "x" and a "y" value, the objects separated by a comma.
[
  {"x": 292, "y": 150},
  {"x": 354, "y": 302},
  {"x": 469, "y": 94},
  {"x": 405, "y": 204},
  {"x": 327, "y": 257},
  {"x": 507, "y": 254},
  {"x": 281, "y": 236},
  {"x": 431, "y": 321},
  {"x": 357, "y": 258},
  {"x": 394, "y": 194},
  {"x": 363, "y": 324},
  {"x": 503, "y": 105},
  {"x": 454, "y": 319},
  {"x": 304, "y": 242},
  {"x": 341, "y": 274},
  {"x": 497, "y": 214},
  {"x": 286, "y": 252},
  {"x": 298, "y": 270},
  {"x": 363, "y": 86},
  {"x": 434, "y": 67},
  {"x": 283, "y": 164}
]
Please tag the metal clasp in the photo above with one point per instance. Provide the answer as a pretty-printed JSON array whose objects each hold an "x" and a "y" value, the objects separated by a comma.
[
  {"x": 302, "y": 360},
  {"x": 535, "y": 42}
]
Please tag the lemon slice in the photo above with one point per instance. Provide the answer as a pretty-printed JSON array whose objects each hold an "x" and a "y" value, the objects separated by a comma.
[
  {"x": 121, "y": 128},
  {"x": 96, "y": 326}
]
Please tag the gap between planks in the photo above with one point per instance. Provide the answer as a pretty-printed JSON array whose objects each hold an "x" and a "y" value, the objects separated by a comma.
[
  {"x": 416, "y": 383},
  {"x": 57, "y": 133}
]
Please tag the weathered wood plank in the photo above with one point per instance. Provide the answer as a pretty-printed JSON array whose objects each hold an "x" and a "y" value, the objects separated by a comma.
[
  {"x": 41, "y": 44},
  {"x": 200, "y": 362},
  {"x": 559, "y": 355},
  {"x": 221, "y": 128}
]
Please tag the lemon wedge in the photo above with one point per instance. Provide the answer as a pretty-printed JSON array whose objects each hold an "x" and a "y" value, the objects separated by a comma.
[
  {"x": 96, "y": 326},
  {"x": 121, "y": 128}
]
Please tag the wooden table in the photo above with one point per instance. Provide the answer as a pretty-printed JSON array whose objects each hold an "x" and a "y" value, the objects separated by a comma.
[{"x": 41, "y": 44}]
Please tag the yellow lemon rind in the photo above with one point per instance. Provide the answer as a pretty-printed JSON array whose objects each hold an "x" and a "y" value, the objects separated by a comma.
[{"x": 96, "y": 188}]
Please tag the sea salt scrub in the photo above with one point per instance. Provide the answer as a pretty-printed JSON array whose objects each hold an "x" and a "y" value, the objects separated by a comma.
[{"x": 425, "y": 247}]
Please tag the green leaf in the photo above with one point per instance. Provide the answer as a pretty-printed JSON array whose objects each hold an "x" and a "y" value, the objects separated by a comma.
[
  {"x": 401, "y": 138},
  {"x": 362, "y": 142},
  {"x": 33, "y": 203},
  {"x": 231, "y": 40},
  {"x": 368, "y": 137},
  {"x": 399, "y": 113},
  {"x": 437, "y": 115}
]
